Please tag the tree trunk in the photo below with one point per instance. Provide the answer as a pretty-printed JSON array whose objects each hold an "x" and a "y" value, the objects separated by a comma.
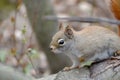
[{"x": 44, "y": 29}]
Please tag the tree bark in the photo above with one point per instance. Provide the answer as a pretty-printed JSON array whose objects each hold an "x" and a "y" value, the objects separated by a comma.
[{"x": 106, "y": 70}]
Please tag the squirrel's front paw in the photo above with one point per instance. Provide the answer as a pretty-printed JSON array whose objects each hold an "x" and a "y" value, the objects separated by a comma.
[{"x": 69, "y": 68}]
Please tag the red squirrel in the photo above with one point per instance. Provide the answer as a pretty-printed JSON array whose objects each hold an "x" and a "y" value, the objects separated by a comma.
[{"x": 91, "y": 44}]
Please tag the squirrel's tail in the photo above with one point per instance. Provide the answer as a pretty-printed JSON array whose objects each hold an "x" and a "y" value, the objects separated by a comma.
[{"x": 115, "y": 6}]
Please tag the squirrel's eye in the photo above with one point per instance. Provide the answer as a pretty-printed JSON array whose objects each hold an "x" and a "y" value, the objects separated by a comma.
[{"x": 61, "y": 42}]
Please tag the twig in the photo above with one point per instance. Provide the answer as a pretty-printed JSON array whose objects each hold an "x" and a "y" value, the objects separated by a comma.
[
  {"x": 13, "y": 34},
  {"x": 31, "y": 61},
  {"x": 34, "y": 67},
  {"x": 83, "y": 19}
]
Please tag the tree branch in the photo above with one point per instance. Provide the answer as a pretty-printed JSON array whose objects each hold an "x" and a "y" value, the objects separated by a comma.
[
  {"x": 106, "y": 70},
  {"x": 8, "y": 73},
  {"x": 83, "y": 19}
]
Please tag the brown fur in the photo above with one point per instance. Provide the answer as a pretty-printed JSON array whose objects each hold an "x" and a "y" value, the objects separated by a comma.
[{"x": 115, "y": 6}]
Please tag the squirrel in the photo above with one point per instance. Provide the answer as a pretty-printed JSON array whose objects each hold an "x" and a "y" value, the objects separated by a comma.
[{"x": 91, "y": 44}]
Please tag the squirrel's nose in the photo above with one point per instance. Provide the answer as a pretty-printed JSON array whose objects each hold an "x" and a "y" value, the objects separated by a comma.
[{"x": 52, "y": 48}]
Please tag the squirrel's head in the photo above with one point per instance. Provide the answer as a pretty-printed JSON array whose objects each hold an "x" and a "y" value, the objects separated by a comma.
[{"x": 62, "y": 40}]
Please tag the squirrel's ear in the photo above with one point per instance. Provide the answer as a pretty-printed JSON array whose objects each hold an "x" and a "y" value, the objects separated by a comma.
[
  {"x": 69, "y": 32},
  {"x": 60, "y": 26}
]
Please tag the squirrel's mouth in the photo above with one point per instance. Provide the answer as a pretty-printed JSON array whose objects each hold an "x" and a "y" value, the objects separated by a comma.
[{"x": 56, "y": 51}]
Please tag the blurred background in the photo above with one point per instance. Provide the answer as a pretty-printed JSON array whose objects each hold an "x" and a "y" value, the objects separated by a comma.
[{"x": 25, "y": 33}]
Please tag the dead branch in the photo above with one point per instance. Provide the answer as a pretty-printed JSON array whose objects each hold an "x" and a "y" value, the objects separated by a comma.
[{"x": 83, "y": 19}]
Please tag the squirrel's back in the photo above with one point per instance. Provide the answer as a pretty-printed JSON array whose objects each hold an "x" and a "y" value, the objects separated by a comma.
[{"x": 96, "y": 39}]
